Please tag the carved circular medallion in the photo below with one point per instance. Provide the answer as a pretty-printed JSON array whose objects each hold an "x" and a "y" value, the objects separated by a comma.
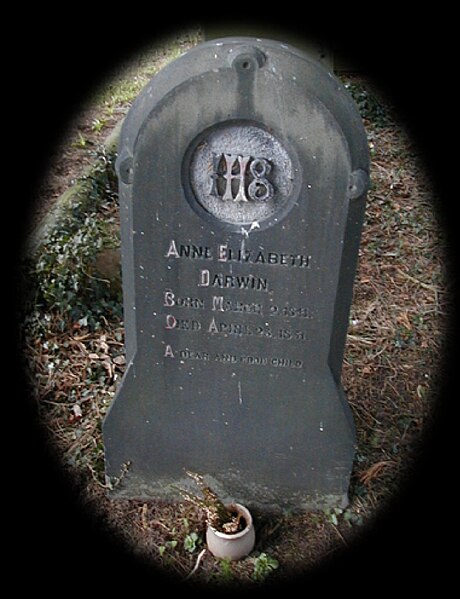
[{"x": 241, "y": 174}]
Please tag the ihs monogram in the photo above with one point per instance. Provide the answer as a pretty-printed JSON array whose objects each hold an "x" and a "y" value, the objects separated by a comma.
[{"x": 241, "y": 178}]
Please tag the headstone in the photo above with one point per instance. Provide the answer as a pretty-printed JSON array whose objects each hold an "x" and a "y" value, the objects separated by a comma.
[
  {"x": 243, "y": 170},
  {"x": 316, "y": 48}
]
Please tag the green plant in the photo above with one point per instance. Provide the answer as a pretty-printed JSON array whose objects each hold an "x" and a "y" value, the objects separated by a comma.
[
  {"x": 80, "y": 142},
  {"x": 263, "y": 566},
  {"x": 98, "y": 124},
  {"x": 226, "y": 572},
  {"x": 168, "y": 545},
  {"x": 353, "y": 518},
  {"x": 332, "y": 514},
  {"x": 369, "y": 106},
  {"x": 62, "y": 277},
  {"x": 191, "y": 542},
  {"x": 348, "y": 516}
]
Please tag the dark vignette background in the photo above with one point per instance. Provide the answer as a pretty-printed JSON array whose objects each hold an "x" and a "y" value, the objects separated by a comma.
[{"x": 56, "y": 545}]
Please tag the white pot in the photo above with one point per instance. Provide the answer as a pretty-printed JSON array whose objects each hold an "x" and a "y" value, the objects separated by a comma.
[{"x": 232, "y": 546}]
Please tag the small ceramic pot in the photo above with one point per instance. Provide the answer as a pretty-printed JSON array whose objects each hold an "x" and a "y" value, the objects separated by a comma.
[{"x": 232, "y": 546}]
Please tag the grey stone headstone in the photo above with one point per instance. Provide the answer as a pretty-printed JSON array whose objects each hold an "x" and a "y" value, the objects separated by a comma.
[{"x": 243, "y": 171}]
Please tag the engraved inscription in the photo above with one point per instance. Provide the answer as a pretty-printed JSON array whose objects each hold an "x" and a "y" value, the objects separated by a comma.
[
  {"x": 223, "y": 316},
  {"x": 250, "y": 281},
  {"x": 233, "y": 358},
  {"x": 241, "y": 178},
  {"x": 225, "y": 253}
]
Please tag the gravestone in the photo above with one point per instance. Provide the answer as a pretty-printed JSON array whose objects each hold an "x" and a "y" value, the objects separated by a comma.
[{"x": 243, "y": 169}]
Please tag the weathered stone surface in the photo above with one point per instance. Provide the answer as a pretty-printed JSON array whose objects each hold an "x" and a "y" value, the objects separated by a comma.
[{"x": 243, "y": 170}]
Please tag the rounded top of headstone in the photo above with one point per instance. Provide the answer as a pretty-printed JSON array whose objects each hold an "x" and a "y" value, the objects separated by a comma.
[
  {"x": 248, "y": 121},
  {"x": 249, "y": 62}
]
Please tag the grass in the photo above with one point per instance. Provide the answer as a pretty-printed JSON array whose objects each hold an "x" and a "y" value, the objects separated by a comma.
[
  {"x": 73, "y": 343},
  {"x": 118, "y": 93}
]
